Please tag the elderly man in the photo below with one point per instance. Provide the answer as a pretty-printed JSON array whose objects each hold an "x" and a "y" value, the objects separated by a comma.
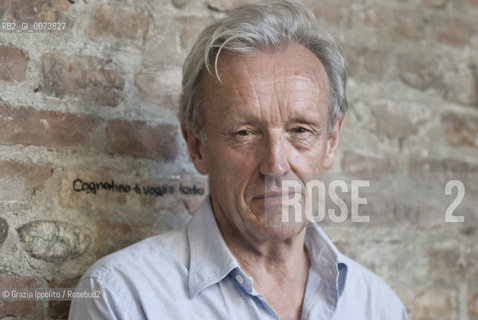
[{"x": 263, "y": 97}]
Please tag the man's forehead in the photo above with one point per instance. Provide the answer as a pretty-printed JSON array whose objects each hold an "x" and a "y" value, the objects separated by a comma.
[
  {"x": 294, "y": 65},
  {"x": 291, "y": 58},
  {"x": 300, "y": 81}
]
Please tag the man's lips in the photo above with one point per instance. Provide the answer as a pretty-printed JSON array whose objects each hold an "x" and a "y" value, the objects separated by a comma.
[
  {"x": 274, "y": 195},
  {"x": 267, "y": 195}
]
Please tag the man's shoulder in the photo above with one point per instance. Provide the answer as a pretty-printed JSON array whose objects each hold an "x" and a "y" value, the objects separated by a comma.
[
  {"x": 160, "y": 251},
  {"x": 131, "y": 278},
  {"x": 362, "y": 282},
  {"x": 360, "y": 273}
]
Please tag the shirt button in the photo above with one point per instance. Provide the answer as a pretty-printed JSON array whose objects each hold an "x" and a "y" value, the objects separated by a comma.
[{"x": 239, "y": 279}]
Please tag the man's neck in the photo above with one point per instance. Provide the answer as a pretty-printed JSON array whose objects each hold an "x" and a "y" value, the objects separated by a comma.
[
  {"x": 280, "y": 272},
  {"x": 270, "y": 257},
  {"x": 279, "y": 268},
  {"x": 254, "y": 252}
]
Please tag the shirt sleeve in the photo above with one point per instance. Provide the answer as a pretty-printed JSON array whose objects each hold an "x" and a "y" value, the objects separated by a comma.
[{"x": 106, "y": 303}]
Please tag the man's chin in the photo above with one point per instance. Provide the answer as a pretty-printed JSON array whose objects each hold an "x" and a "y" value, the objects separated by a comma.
[
  {"x": 275, "y": 226},
  {"x": 280, "y": 233}
]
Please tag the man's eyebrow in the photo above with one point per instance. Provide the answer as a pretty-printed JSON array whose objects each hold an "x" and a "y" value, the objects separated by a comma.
[
  {"x": 305, "y": 118},
  {"x": 303, "y": 115}
]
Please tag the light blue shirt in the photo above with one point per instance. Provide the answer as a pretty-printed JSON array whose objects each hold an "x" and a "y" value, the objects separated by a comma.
[{"x": 191, "y": 274}]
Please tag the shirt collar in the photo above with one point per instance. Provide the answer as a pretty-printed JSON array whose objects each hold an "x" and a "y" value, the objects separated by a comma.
[
  {"x": 210, "y": 259},
  {"x": 326, "y": 261}
]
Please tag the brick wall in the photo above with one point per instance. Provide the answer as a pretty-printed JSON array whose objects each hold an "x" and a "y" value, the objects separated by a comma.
[{"x": 91, "y": 158}]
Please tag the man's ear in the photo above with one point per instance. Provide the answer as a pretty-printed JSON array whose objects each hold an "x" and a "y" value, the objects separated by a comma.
[
  {"x": 333, "y": 143},
  {"x": 195, "y": 149}
]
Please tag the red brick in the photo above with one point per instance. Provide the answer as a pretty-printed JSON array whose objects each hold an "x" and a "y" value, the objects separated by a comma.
[
  {"x": 355, "y": 163},
  {"x": 180, "y": 4},
  {"x": 462, "y": 85},
  {"x": 60, "y": 309},
  {"x": 80, "y": 77},
  {"x": 35, "y": 10},
  {"x": 366, "y": 63},
  {"x": 432, "y": 304},
  {"x": 472, "y": 3},
  {"x": 395, "y": 23},
  {"x": 16, "y": 308},
  {"x": 407, "y": 296},
  {"x": 159, "y": 86},
  {"x": 120, "y": 21},
  {"x": 113, "y": 236},
  {"x": 343, "y": 246},
  {"x": 441, "y": 165},
  {"x": 430, "y": 214},
  {"x": 454, "y": 32},
  {"x": 64, "y": 283},
  {"x": 461, "y": 130},
  {"x": 190, "y": 28},
  {"x": 398, "y": 120},
  {"x": 473, "y": 306},
  {"x": 4, "y": 7},
  {"x": 470, "y": 216},
  {"x": 13, "y": 63},
  {"x": 373, "y": 18},
  {"x": 454, "y": 264},
  {"x": 409, "y": 25},
  {"x": 420, "y": 71},
  {"x": 3, "y": 230},
  {"x": 28, "y": 126},
  {"x": 336, "y": 12},
  {"x": 20, "y": 181},
  {"x": 224, "y": 5},
  {"x": 142, "y": 139},
  {"x": 435, "y": 3}
]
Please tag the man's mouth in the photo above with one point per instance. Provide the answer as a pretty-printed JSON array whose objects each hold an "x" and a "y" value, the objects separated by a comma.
[{"x": 275, "y": 196}]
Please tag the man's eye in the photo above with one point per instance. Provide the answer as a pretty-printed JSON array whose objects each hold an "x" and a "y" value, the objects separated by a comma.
[
  {"x": 243, "y": 132},
  {"x": 300, "y": 130}
]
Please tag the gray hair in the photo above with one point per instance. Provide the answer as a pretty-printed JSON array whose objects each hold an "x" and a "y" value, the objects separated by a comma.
[{"x": 249, "y": 29}]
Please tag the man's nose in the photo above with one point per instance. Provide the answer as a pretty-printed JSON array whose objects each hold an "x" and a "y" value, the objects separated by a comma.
[{"x": 275, "y": 156}]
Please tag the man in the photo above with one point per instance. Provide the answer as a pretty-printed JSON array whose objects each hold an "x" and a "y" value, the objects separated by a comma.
[{"x": 263, "y": 98}]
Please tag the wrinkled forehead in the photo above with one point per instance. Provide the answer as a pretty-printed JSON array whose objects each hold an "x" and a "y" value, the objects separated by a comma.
[{"x": 267, "y": 67}]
